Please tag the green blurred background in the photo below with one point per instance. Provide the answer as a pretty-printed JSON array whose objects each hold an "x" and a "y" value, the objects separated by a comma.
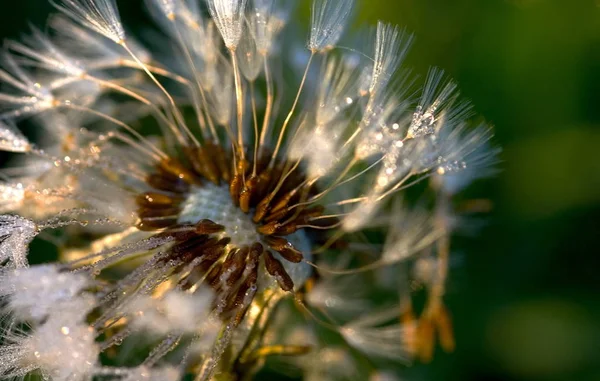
[{"x": 526, "y": 295}]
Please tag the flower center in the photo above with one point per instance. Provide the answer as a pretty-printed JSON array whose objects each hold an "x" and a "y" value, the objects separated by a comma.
[
  {"x": 213, "y": 202},
  {"x": 239, "y": 229}
]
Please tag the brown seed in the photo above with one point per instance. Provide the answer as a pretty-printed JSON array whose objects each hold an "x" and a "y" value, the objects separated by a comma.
[
  {"x": 275, "y": 228},
  {"x": 264, "y": 183},
  {"x": 193, "y": 244},
  {"x": 276, "y": 269},
  {"x": 168, "y": 183},
  {"x": 268, "y": 229},
  {"x": 150, "y": 224},
  {"x": 245, "y": 293},
  {"x": 280, "y": 215},
  {"x": 262, "y": 209},
  {"x": 235, "y": 187},
  {"x": 256, "y": 249},
  {"x": 176, "y": 168},
  {"x": 315, "y": 211},
  {"x": 203, "y": 163},
  {"x": 144, "y": 213},
  {"x": 154, "y": 199},
  {"x": 285, "y": 248},
  {"x": 284, "y": 200},
  {"x": 247, "y": 193},
  {"x": 220, "y": 158},
  {"x": 277, "y": 243},
  {"x": 213, "y": 276},
  {"x": 208, "y": 227},
  {"x": 236, "y": 263},
  {"x": 180, "y": 233},
  {"x": 216, "y": 250},
  {"x": 292, "y": 255}
]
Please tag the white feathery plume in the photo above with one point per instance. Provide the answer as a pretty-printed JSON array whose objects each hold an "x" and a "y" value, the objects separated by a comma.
[
  {"x": 15, "y": 235},
  {"x": 466, "y": 156},
  {"x": 404, "y": 159},
  {"x": 437, "y": 100},
  {"x": 204, "y": 44},
  {"x": 102, "y": 16},
  {"x": 380, "y": 134},
  {"x": 106, "y": 198},
  {"x": 87, "y": 46},
  {"x": 426, "y": 269},
  {"x": 342, "y": 295},
  {"x": 14, "y": 354},
  {"x": 190, "y": 12},
  {"x": 36, "y": 292},
  {"x": 328, "y": 21},
  {"x": 320, "y": 146},
  {"x": 167, "y": 7},
  {"x": 175, "y": 312},
  {"x": 228, "y": 16},
  {"x": 338, "y": 89},
  {"x": 41, "y": 52},
  {"x": 12, "y": 140},
  {"x": 59, "y": 349},
  {"x": 12, "y": 196},
  {"x": 370, "y": 335},
  {"x": 36, "y": 98},
  {"x": 251, "y": 62},
  {"x": 222, "y": 94},
  {"x": 361, "y": 215},
  {"x": 265, "y": 22},
  {"x": 391, "y": 46},
  {"x": 411, "y": 230}
]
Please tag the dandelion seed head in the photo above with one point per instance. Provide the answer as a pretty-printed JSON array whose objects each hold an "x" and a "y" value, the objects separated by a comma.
[{"x": 256, "y": 187}]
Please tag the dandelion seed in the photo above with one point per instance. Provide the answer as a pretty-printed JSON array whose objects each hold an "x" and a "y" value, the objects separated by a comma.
[
  {"x": 391, "y": 49},
  {"x": 228, "y": 15},
  {"x": 101, "y": 16},
  {"x": 328, "y": 21}
]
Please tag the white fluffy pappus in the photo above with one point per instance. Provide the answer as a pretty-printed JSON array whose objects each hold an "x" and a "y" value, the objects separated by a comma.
[
  {"x": 34, "y": 293},
  {"x": 59, "y": 349}
]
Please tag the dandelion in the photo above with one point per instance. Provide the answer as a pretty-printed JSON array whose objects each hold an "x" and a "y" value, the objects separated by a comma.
[{"x": 178, "y": 250}]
